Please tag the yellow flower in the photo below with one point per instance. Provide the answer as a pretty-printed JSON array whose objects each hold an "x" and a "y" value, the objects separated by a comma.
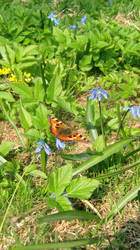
[
  {"x": 27, "y": 74},
  {"x": 4, "y": 71}
]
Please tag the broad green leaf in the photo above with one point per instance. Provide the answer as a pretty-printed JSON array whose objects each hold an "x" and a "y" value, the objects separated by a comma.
[
  {"x": 58, "y": 180},
  {"x": 91, "y": 119},
  {"x": 7, "y": 96},
  {"x": 82, "y": 187},
  {"x": 64, "y": 203},
  {"x": 39, "y": 92},
  {"x": 59, "y": 35},
  {"x": 23, "y": 90},
  {"x": 132, "y": 194},
  {"x": 10, "y": 53},
  {"x": 75, "y": 244},
  {"x": 110, "y": 150},
  {"x": 68, "y": 215},
  {"x": 40, "y": 120},
  {"x": 55, "y": 88},
  {"x": 85, "y": 62},
  {"x": 25, "y": 118},
  {"x": 5, "y": 147}
]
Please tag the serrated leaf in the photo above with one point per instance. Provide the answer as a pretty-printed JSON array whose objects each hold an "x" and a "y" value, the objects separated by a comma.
[
  {"x": 82, "y": 187},
  {"x": 23, "y": 90},
  {"x": 58, "y": 180},
  {"x": 7, "y": 96}
]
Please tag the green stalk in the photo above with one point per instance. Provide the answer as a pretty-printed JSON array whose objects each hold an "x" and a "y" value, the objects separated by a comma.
[
  {"x": 121, "y": 123},
  {"x": 43, "y": 160},
  {"x": 102, "y": 125},
  {"x": 13, "y": 195},
  {"x": 12, "y": 123}
]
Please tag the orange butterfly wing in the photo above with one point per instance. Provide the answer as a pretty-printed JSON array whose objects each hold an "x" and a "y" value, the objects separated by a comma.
[{"x": 59, "y": 130}]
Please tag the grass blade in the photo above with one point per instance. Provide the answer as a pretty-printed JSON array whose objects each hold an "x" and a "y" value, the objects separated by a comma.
[{"x": 128, "y": 197}]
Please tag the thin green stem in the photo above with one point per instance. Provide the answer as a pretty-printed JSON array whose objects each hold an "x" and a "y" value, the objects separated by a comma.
[
  {"x": 121, "y": 123},
  {"x": 4, "y": 218},
  {"x": 43, "y": 160},
  {"x": 12, "y": 123},
  {"x": 102, "y": 125}
]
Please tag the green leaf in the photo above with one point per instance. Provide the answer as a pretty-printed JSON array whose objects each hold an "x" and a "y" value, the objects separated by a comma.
[
  {"x": 59, "y": 35},
  {"x": 23, "y": 90},
  {"x": 116, "y": 147},
  {"x": 82, "y": 187},
  {"x": 39, "y": 92},
  {"x": 5, "y": 147},
  {"x": 25, "y": 118},
  {"x": 64, "y": 203},
  {"x": 77, "y": 157},
  {"x": 121, "y": 203},
  {"x": 55, "y": 88},
  {"x": 10, "y": 54},
  {"x": 2, "y": 160},
  {"x": 68, "y": 215},
  {"x": 90, "y": 111},
  {"x": 59, "y": 245},
  {"x": 32, "y": 133},
  {"x": 58, "y": 180},
  {"x": 40, "y": 120},
  {"x": 38, "y": 173},
  {"x": 85, "y": 63},
  {"x": 7, "y": 96},
  {"x": 69, "y": 106}
]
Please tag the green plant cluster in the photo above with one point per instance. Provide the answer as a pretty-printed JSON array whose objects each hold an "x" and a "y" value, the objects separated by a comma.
[{"x": 50, "y": 54}]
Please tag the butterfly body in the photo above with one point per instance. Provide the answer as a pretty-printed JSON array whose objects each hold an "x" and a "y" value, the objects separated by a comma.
[{"x": 64, "y": 133}]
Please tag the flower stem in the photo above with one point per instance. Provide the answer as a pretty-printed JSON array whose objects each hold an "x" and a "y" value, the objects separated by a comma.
[
  {"x": 43, "y": 160},
  {"x": 12, "y": 123},
  {"x": 121, "y": 123},
  {"x": 102, "y": 125}
]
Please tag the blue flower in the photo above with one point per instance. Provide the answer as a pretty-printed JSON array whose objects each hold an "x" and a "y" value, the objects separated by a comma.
[
  {"x": 60, "y": 144},
  {"x": 56, "y": 22},
  {"x": 97, "y": 93},
  {"x": 73, "y": 27},
  {"x": 53, "y": 195},
  {"x": 128, "y": 8},
  {"x": 83, "y": 19},
  {"x": 110, "y": 3},
  {"x": 135, "y": 111},
  {"x": 124, "y": 147},
  {"x": 52, "y": 16},
  {"x": 43, "y": 145}
]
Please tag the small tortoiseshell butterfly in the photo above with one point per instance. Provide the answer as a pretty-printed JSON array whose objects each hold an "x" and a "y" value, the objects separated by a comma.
[{"x": 64, "y": 133}]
